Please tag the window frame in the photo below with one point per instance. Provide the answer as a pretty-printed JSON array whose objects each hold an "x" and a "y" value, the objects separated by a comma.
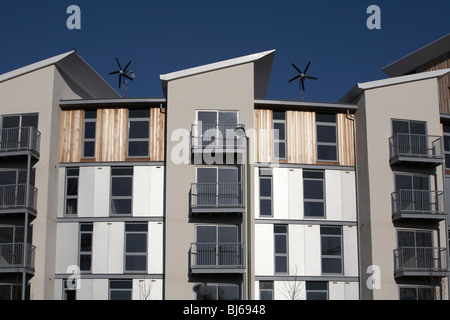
[
  {"x": 110, "y": 290},
  {"x": 446, "y": 152},
  {"x": 71, "y": 197},
  {"x": 327, "y": 144},
  {"x": 340, "y": 257},
  {"x": 266, "y": 174},
  {"x": 267, "y": 290},
  {"x": 135, "y": 254},
  {"x": 89, "y": 140},
  {"x": 305, "y": 200},
  {"x": 286, "y": 255},
  {"x": 416, "y": 288},
  {"x": 130, "y": 197},
  {"x": 276, "y": 138},
  {"x": 85, "y": 253},
  {"x": 216, "y": 287},
  {"x": 327, "y": 291},
  {"x": 131, "y": 140}
]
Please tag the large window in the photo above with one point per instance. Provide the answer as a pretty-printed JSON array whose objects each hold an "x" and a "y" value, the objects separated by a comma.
[
  {"x": 279, "y": 139},
  {"x": 86, "y": 230},
  {"x": 265, "y": 290},
  {"x": 447, "y": 145},
  {"x": 417, "y": 293},
  {"x": 331, "y": 243},
  {"x": 281, "y": 248},
  {"x": 265, "y": 192},
  {"x": 314, "y": 193},
  {"x": 218, "y": 292},
  {"x": 327, "y": 145},
  {"x": 136, "y": 247},
  {"x": 218, "y": 187},
  {"x": 121, "y": 190},
  {"x": 216, "y": 128},
  {"x": 20, "y": 121},
  {"x": 71, "y": 196},
  {"x": 120, "y": 290},
  {"x": 90, "y": 132},
  {"x": 316, "y": 290},
  {"x": 138, "y": 133}
]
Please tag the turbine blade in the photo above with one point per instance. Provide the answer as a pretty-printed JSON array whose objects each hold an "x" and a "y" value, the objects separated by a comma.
[
  {"x": 306, "y": 70},
  {"x": 115, "y": 72},
  {"x": 127, "y": 66},
  {"x": 299, "y": 71},
  {"x": 303, "y": 85},
  {"x": 120, "y": 80},
  {"x": 295, "y": 78},
  {"x": 120, "y": 67},
  {"x": 313, "y": 78},
  {"x": 128, "y": 77}
]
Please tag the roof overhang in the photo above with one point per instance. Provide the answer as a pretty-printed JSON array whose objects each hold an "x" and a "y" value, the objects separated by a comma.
[
  {"x": 306, "y": 105},
  {"x": 419, "y": 57},
  {"x": 111, "y": 103},
  {"x": 263, "y": 65}
]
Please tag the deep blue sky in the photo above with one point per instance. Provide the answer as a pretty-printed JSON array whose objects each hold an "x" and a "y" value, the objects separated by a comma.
[{"x": 162, "y": 36}]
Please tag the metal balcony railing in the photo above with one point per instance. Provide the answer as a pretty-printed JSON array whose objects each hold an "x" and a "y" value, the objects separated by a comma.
[
  {"x": 216, "y": 255},
  {"x": 20, "y": 139},
  {"x": 12, "y": 256},
  {"x": 427, "y": 261},
  {"x": 216, "y": 137},
  {"x": 15, "y": 197},
  {"x": 217, "y": 195},
  {"x": 416, "y": 146},
  {"x": 418, "y": 202}
]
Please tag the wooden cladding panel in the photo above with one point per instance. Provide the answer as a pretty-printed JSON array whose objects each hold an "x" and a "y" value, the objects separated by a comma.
[
  {"x": 111, "y": 138},
  {"x": 301, "y": 138},
  {"x": 439, "y": 63}
]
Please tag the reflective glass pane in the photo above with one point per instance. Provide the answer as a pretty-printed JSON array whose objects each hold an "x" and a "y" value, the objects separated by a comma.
[
  {"x": 72, "y": 206},
  {"x": 327, "y": 153},
  {"x": 281, "y": 264},
  {"x": 11, "y": 122},
  {"x": 279, "y": 131},
  {"x": 280, "y": 244},
  {"x": 121, "y": 206},
  {"x": 89, "y": 130},
  {"x": 139, "y": 113},
  {"x": 265, "y": 187},
  {"x": 265, "y": 207},
  {"x": 89, "y": 149},
  {"x": 86, "y": 242},
  {"x": 120, "y": 295},
  {"x": 136, "y": 263},
  {"x": 326, "y": 134},
  {"x": 228, "y": 292},
  {"x": 139, "y": 129},
  {"x": 326, "y": 117},
  {"x": 331, "y": 246},
  {"x": 330, "y": 265},
  {"x": 121, "y": 186},
  {"x": 138, "y": 148},
  {"x": 313, "y": 189},
  {"x": 136, "y": 242}
]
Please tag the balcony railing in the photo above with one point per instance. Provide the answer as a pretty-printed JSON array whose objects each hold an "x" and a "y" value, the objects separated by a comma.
[
  {"x": 216, "y": 255},
  {"x": 416, "y": 147},
  {"x": 217, "y": 195},
  {"x": 418, "y": 203},
  {"x": 15, "y": 197},
  {"x": 420, "y": 261},
  {"x": 20, "y": 139},
  {"x": 216, "y": 137},
  {"x": 12, "y": 256}
]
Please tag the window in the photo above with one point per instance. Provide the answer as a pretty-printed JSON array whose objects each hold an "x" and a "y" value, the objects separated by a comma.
[
  {"x": 14, "y": 235},
  {"x": 72, "y": 177},
  {"x": 216, "y": 128},
  {"x": 327, "y": 146},
  {"x": 90, "y": 128},
  {"x": 136, "y": 247},
  {"x": 447, "y": 145},
  {"x": 314, "y": 193},
  {"x": 218, "y": 187},
  {"x": 121, "y": 191},
  {"x": 218, "y": 292},
  {"x": 316, "y": 290},
  {"x": 281, "y": 248},
  {"x": 13, "y": 187},
  {"x": 9, "y": 291},
  {"x": 266, "y": 290},
  {"x": 120, "y": 290},
  {"x": 416, "y": 293},
  {"x": 414, "y": 192},
  {"x": 18, "y": 134},
  {"x": 331, "y": 242},
  {"x": 410, "y": 137},
  {"x": 279, "y": 138},
  {"x": 265, "y": 192},
  {"x": 138, "y": 133},
  {"x": 69, "y": 290},
  {"x": 86, "y": 230}
]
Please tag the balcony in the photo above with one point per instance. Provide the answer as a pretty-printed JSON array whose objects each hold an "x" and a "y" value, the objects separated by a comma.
[
  {"x": 416, "y": 149},
  {"x": 12, "y": 257},
  {"x": 216, "y": 258},
  {"x": 17, "y": 142},
  {"x": 217, "y": 197},
  {"x": 13, "y": 198},
  {"x": 418, "y": 204},
  {"x": 419, "y": 261},
  {"x": 216, "y": 139}
]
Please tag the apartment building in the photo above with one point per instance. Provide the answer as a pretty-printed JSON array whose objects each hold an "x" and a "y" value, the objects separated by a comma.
[{"x": 215, "y": 192}]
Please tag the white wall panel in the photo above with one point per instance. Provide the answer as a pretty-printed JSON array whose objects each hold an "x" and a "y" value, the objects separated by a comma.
[
  {"x": 296, "y": 249},
  {"x": 348, "y": 196},
  {"x": 86, "y": 192},
  {"x": 66, "y": 246},
  {"x": 155, "y": 247},
  {"x": 351, "y": 291},
  {"x": 141, "y": 191},
  {"x": 108, "y": 247},
  {"x": 61, "y": 191},
  {"x": 157, "y": 192},
  {"x": 264, "y": 249},
  {"x": 295, "y": 193},
  {"x": 350, "y": 239},
  {"x": 102, "y": 191},
  {"x": 86, "y": 290},
  {"x": 336, "y": 290},
  {"x": 280, "y": 193},
  {"x": 333, "y": 194},
  {"x": 147, "y": 289},
  {"x": 313, "y": 265},
  {"x": 100, "y": 289}
]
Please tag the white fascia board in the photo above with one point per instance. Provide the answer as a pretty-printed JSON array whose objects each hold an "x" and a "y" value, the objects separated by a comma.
[
  {"x": 33, "y": 67},
  {"x": 215, "y": 66}
]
